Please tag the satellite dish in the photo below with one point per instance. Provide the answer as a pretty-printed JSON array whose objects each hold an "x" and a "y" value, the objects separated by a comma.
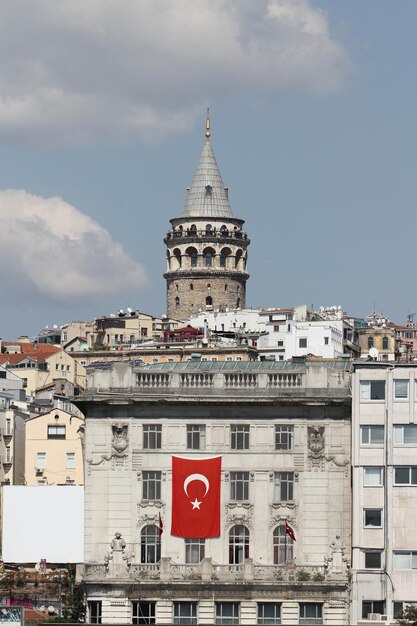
[
  {"x": 129, "y": 310},
  {"x": 37, "y": 567},
  {"x": 373, "y": 353}
]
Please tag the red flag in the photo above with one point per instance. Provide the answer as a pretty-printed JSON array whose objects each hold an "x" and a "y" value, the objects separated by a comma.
[
  {"x": 289, "y": 531},
  {"x": 196, "y": 497},
  {"x": 161, "y": 525}
]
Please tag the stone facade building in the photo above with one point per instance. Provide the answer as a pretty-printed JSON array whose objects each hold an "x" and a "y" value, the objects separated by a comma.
[
  {"x": 283, "y": 432},
  {"x": 206, "y": 247}
]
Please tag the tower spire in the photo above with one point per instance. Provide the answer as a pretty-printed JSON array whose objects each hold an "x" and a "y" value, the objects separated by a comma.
[{"x": 208, "y": 133}]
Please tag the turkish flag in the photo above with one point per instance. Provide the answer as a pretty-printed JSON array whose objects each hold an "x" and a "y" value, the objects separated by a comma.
[
  {"x": 196, "y": 497},
  {"x": 289, "y": 531}
]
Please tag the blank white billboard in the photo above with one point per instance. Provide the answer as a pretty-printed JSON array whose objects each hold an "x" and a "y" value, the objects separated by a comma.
[{"x": 44, "y": 522}]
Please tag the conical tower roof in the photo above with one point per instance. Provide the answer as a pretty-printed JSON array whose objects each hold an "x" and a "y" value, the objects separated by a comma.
[{"x": 207, "y": 196}]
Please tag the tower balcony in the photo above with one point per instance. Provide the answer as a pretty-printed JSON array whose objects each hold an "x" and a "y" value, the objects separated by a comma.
[{"x": 189, "y": 235}]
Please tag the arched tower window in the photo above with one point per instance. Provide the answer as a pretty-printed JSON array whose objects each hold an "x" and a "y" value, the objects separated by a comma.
[
  {"x": 209, "y": 301},
  {"x": 177, "y": 255},
  {"x": 370, "y": 342},
  {"x": 193, "y": 256},
  {"x": 177, "y": 302},
  {"x": 193, "y": 230},
  {"x": 238, "y": 256},
  {"x": 238, "y": 303},
  {"x": 238, "y": 544},
  {"x": 283, "y": 545},
  {"x": 209, "y": 229},
  {"x": 385, "y": 343},
  {"x": 225, "y": 252},
  {"x": 208, "y": 257},
  {"x": 150, "y": 544},
  {"x": 191, "y": 286}
]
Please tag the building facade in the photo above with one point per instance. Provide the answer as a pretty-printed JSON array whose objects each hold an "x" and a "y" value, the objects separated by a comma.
[
  {"x": 283, "y": 432},
  {"x": 206, "y": 247},
  {"x": 384, "y": 498}
]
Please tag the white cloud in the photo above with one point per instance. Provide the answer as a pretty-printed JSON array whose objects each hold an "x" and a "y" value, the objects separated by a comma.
[
  {"x": 49, "y": 247},
  {"x": 76, "y": 70}
]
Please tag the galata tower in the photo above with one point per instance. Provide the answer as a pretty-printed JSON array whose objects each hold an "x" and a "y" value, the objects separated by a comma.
[{"x": 207, "y": 248}]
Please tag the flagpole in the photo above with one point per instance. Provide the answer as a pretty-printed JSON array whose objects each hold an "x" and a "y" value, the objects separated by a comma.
[{"x": 285, "y": 560}]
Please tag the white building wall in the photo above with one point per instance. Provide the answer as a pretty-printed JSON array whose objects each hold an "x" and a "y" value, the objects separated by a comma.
[{"x": 323, "y": 339}]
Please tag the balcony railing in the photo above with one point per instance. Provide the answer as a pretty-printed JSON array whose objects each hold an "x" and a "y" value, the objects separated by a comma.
[{"x": 214, "y": 234}]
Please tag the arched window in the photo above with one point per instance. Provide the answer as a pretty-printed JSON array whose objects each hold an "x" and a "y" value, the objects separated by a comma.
[
  {"x": 177, "y": 302},
  {"x": 385, "y": 343},
  {"x": 150, "y": 544},
  {"x": 191, "y": 286},
  {"x": 209, "y": 229},
  {"x": 208, "y": 258},
  {"x": 238, "y": 303},
  {"x": 238, "y": 256},
  {"x": 192, "y": 254},
  {"x": 225, "y": 252},
  {"x": 177, "y": 255},
  {"x": 238, "y": 544},
  {"x": 224, "y": 231},
  {"x": 283, "y": 545},
  {"x": 225, "y": 287},
  {"x": 209, "y": 301},
  {"x": 193, "y": 229},
  {"x": 370, "y": 342}
]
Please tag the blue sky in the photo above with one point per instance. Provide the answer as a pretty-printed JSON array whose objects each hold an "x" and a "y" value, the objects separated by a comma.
[{"x": 313, "y": 125}]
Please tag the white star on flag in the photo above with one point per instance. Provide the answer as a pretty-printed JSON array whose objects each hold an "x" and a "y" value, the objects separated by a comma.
[{"x": 196, "y": 504}]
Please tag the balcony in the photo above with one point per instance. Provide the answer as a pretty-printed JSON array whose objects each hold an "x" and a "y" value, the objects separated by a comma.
[
  {"x": 206, "y": 571},
  {"x": 213, "y": 234}
]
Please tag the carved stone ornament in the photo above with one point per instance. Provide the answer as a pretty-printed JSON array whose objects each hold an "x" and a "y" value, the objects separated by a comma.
[
  {"x": 276, "y": 520},
  {"x": 337, "y": 562},
  {"x": 315, "y": 440},
  {"x": 118, "y": 560},
  {"x": 239, "y": 513},
  {"x": 148, "y": 520},
  {"x": 119, "y": 445},
  {"x": 150, "y": 504}
]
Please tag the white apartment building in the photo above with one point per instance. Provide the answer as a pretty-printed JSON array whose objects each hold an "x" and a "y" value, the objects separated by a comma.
[
  {"x": 288, "y": 338},
  {"x": 283, "y": 432},
  {"x": 384, "y": 499}
]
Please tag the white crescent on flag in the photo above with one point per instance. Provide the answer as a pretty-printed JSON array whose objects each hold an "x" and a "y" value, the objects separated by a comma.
[{"x": 192, "y": 477}]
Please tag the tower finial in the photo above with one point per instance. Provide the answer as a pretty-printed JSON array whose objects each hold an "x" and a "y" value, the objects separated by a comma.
[{"x": 208, "y": 133}]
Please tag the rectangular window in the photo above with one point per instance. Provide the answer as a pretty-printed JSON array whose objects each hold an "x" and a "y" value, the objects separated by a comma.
[
  {"x": 372, "y": 435},
  {"x": 269, "y": 613},
  {"x": 194, "y": 550},
  {"x": 401, "y": 389},
  {"x": 372, "y": 606},
  {"x": 373, "y": 476},
  {"x": 41, "y": 460},
  {"x": 185, "y": 612},
  {"x": 70, "y": 460},
  {"x": 372, "y": 389},
  {"x": 283, "y": 486},
  {"x": 152, "y": 437},
  {"x": 284, "y": 436},
  {"x": 151, "y": 485},
  {"x": 326, "y": 341},
  {"x": 404, "y": 559},
  {"x": 227, "y": 613},
  {"x": 372, "y": 518},
  {"x": 405, "y": 433},
  {"x": 8, "y": 427},
  {"x": 239, "y": 437},
  {"x": 94, "y": 609},
  {"x": 302, "y": 342},
  {"x": 143, "y": 613},
  {"x": 400, "y": 606},
  {"x": 372, "y": 559},
  {"x": 239, "y": 486},
  {"x": 405, "y": 475},
  {"x": 56, "y": 432},
  {"x": 311, "y": 613},
  {"x": 196, "y": 437}
]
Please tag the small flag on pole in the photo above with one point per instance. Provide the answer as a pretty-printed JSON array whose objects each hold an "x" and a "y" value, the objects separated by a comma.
[
  {"x": 161, "y": 525},
  {"x": 289, "y": 531}
]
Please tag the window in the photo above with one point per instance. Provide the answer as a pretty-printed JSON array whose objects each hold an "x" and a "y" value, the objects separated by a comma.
[
  {"x": 372, "y": 559},
  {"x": 151, "y": 485},
  {"x": 269, "y": 613},
  {"x": 196, "y": 437},
  {"x": 194, "y": 550},
  {"x": 400, "y": 606},
  {"x": 406, "y": 433},
  {"x": 372, "y": 389},
  {"x": 404, "y": 559},
  {"x": 238, "y": 544},
  {"x": 283, "y": 545},
  {"x": 41, "y": 460},
  {"x": 373, "y": 476},
  {"x": 400, "y": 389},
  {"x": 284, "y": 437},
  {"x": 209, "y": 301},
  {"x": 227, "y": 613},
  {"x": 311, "y": 613},
  {"x": 177, "y": 301},
  {"x": 372, "y": 606},
  {"x": 372, "y": 518},
  {"x": 283, "y": 486},
  {"x": 150, "y": 544},
  {"x": 143, "y": 613},
  {"x": 56, "y": 432},
  {"x": 372, "y": 435},
  {"x": 239, "y": 437},
  {"x": 152, "y": 435},
  {"x": 280, "y": 343},
  {"x": 385, "y": 343},
  {"x": 70, "y": 460},
  {"x": 239, "y": 485},
  {"x": 8, "y": 427},
  {"x": 276, "y": 329},
  {"x": 370, "y": 342},
  {"x": 302, "y": 342},
  {"x": 8, "y": 455},
  {"x": 185, "y": 613},
  {"x": 405, "y": 475},
  {"x": 208, "y": 256},
  {"x": 94, "y": 609}
]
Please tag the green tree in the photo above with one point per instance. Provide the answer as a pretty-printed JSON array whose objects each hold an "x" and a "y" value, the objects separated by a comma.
[
  {"x": 408, "y": 615},
  {"x": 73, "y": 605}
]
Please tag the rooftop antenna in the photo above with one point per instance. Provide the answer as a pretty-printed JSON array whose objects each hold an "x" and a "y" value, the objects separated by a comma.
[{"x": 208, "y": 133}]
